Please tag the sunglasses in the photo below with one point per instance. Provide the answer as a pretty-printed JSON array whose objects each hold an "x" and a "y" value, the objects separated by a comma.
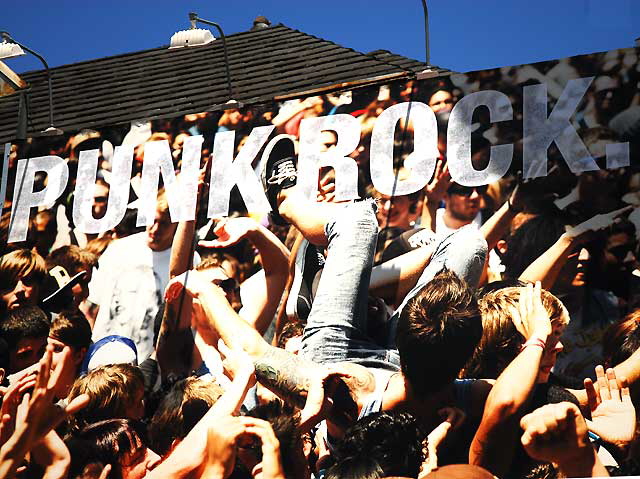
[
  {"x": 466, "y": 190},
  {"x": 229, "y": 285}
]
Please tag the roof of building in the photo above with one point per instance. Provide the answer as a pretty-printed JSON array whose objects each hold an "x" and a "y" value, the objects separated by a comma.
[{"x": 277, "y": 62}]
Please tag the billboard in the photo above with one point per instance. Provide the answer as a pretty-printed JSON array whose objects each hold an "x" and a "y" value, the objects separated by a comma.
[{"x": 437, "y": 153}]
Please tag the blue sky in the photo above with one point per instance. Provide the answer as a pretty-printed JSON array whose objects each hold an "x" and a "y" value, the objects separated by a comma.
[{"x": 465, "y": 35}]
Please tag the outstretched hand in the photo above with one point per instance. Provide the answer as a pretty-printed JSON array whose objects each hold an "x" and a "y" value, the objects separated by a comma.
[
  {"x": 556, "y": 433},
  {"x": 440, "y": 183},
  {"x": 596, "y": 223},
  {"x": 319, "y": 397},
  {"x": 236, "y": 362},
  {"x": 613, "y": 416},
  {"x": 230, "y": 231},
  {"x": 532, "y": 319}
]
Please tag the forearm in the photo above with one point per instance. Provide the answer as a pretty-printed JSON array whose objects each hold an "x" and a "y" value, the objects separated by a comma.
[
  {"x": 495, "y": 227},
  {"x": 182, "y": 248},
  {"x": 12, "y": 453},
  {"x": 428, "y": 214},
  {"x": 493, "y": 444},
  {"x": 233, "y": 330},
  {"x": 548, "y": 265}
]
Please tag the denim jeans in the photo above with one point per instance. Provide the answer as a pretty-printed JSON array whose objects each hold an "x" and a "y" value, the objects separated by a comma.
[{"x": 336, "y": 328}]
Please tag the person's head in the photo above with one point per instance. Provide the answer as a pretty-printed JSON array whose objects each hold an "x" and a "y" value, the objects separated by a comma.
[
  {"x": 223, "y": 270},
  {"x": 115, "y": 391},
  {"x": 284, "y": 422},
  {"x": 360, "y": 467},
  {"x": 119, "y": 442},
  {"x": 441, "y": 101},
  {"x": 160, "y": 233},
  {"x": 395, "y": 440},
  {"x": 187, "y": 401},
  {"x": 394, "y": 211},
  {"x": 462, "y": 203},
  {"x": 25, "y": 329},
  {"x": 529, "y": 241},
  {"x": 69, "y": 328},
  {"x": 100, "y": 199},
  {"x": 290, "y": 337},
  {"x": 74, "y": 260},
  {"x": 501, "y": 342},
  {"x": 437, "y": 332},
  {"x": 45, "y": 229},
  {"x": 21, "y": 273},
  {"x": 621, "y": 339}
]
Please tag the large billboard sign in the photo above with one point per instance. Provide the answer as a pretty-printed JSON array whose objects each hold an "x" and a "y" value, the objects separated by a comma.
[{"x": 544, "y": 159}]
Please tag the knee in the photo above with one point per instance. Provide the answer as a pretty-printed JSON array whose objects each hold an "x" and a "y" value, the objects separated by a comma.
[{"x": 469, "y": 239}]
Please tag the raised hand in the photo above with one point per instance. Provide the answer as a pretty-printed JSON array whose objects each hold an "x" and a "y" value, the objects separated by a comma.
[
  {"x": 613, "y": 416},
  {"x": 556, "y": 433},
  {"x": 452, "y": 420},
  {"x": 230, "y": 231},
  {"x": 596, "y": 223},
  {"x": 319, "y": 397},
  {"x": 192, "y": 282},
  {"x": 221, "y": 447},
  {"x": 236, "y": 362},
  {"x": 532, "y": 319},
  {"x": 271, "y": 465},
  {"x": 37, "y": 413},
  {"x": 440, "y": 182}
]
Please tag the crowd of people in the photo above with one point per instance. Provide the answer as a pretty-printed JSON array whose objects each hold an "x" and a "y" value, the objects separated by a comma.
[{"x": 488, "y": 331}]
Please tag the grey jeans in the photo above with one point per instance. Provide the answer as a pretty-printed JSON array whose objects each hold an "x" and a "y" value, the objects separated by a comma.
[{"x": 336, "y": 328}]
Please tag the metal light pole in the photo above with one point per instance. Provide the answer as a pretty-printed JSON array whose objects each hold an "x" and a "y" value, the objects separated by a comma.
[
  {"x": 51, "y": 130},
  {"x": 426, "y": 32}
]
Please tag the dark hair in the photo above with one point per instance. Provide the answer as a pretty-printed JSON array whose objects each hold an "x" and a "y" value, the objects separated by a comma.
[
  {"x": 72, "y": 258},
  {"x": 361, "y": 467},
  {"x": 284, "y": 422},
  {"x": 105, "y": 442},
  {"x": 395, "y": 439},
  {"x": 71, "y": 328},
  {"x": 185, "y": 403},
  {"x": 24, "y": 322},
  {"x": 291, "y": 329},
  {"x": 621, "y": 340},
  {"x": 437, "y": 333},
  {"x": 530, "y": 241}
]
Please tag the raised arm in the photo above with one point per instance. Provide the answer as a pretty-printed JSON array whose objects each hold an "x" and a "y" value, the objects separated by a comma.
[
  {"x": 547, "y": 267},
  {"x": 181, "y": 259},
  {"x": 495, "y": 227},
  {"x": 494, "y": 442},
  {"x": 288, "y": 375},
  {"x": 262, "y": 292}
]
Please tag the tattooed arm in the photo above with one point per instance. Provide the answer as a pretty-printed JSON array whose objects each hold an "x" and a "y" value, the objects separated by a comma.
[
  {"x": 332, "y": 390},
  {"x": 321, "y": 391}
]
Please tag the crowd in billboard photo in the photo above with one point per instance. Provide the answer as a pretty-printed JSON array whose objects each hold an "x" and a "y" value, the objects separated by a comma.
[{"x": 455, "y": 331}]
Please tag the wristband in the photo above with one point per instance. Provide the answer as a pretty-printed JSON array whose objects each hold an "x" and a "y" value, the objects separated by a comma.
[{"x": 535, "y": 342}]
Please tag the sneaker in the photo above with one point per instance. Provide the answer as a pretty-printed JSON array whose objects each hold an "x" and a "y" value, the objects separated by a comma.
[
  {"x": 279, "y": 173},
  {"x": 308, "y": 268}
]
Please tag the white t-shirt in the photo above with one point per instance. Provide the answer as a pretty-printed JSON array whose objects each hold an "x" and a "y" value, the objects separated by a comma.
[{"x": 128, "y": 286}]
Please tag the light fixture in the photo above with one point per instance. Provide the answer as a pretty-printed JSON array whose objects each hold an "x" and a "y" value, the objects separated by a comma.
[
  {"x": 10, "y": 50},
  {"x": 195, "y": 36},
  {"x": 51, "y": 130},
  {"x": 191, "y": 38}
]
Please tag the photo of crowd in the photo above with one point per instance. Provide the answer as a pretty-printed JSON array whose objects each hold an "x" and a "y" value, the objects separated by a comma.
[{"x": 476, "y": 332}]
